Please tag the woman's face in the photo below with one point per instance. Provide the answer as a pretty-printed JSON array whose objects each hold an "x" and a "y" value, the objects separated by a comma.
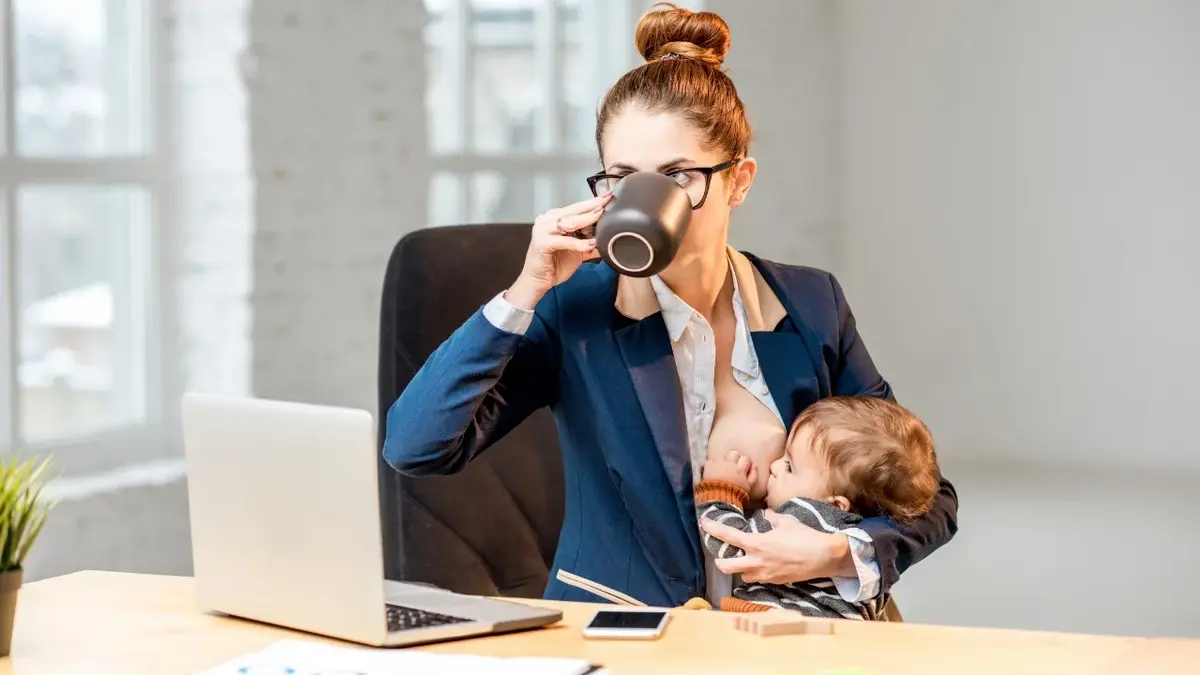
[{"x": 636, "y": 140}]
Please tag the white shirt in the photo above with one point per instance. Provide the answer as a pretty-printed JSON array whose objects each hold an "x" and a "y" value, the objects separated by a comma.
[{"x": 695, "y": 350}]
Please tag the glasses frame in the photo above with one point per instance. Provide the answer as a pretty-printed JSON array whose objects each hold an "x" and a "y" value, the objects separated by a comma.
[{"x": 706, "y": 171}]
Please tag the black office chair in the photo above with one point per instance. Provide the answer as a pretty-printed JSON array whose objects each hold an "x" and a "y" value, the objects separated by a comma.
[{"x": 492, "y": 529}]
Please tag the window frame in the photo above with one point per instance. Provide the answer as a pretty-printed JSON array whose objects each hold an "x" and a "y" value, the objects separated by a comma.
[
  {"x": 149, "y": 437},
  {"x": 550, "y": 159}
]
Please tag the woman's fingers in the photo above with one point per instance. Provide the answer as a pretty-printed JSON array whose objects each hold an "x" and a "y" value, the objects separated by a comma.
[
  {"x": 578, "y": 221},
  {"x": 583, "y": 206},
  {"x": 727, "y": 534},
  {"x": 558, "y": 242},
  {"x": 740, "y": 565},
  {"x": 573, "y": 217}
]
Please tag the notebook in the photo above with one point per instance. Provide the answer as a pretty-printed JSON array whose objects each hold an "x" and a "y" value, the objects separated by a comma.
[
  {"x": 600, "y": 590},
  {"x": 297, "y": 657}
]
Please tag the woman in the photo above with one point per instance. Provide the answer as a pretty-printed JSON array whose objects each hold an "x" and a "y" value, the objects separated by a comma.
[{"x": 644, "y": 376}]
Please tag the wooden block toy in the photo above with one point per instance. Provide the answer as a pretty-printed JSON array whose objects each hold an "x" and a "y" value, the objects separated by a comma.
[{"x": 781, "y": 622}]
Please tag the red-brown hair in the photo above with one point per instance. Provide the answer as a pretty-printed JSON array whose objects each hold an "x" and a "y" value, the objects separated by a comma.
[
  {"x": 880, "y": 456},
  {"x": 688, "y": 82}
]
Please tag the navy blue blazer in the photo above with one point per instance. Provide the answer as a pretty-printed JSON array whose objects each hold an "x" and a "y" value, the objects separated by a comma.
[{"x": 598, "y": 354}]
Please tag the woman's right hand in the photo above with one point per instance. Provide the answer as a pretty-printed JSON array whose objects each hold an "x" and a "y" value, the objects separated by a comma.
[{"x": 554, "y": 254}]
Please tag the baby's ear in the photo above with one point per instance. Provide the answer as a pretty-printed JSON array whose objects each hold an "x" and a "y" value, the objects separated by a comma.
[{"x": 840, "y": 502}]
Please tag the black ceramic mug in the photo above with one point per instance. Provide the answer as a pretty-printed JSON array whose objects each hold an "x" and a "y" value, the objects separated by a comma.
[{"x": 642, "y": 227}]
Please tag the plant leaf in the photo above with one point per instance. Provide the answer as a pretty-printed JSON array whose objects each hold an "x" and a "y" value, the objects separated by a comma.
[{"x": 23, "y": 510}]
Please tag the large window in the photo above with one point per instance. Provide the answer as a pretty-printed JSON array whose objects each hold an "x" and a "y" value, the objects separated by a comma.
[
  {"x": 78, "y": 187},
  {"x": 513, "y": 89}
]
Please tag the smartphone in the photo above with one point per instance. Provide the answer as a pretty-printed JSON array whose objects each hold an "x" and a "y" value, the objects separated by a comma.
[{"x": 627, "y": 624}]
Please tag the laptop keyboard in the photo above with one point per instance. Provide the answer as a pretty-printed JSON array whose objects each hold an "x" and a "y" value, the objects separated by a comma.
[{"x": 407, "y": 618}]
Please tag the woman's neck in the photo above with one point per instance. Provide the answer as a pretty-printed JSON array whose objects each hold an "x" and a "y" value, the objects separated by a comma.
[{"x": 699, "y": 280}]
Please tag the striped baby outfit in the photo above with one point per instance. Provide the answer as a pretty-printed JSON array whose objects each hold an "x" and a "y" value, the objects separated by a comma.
[{"x": 725, "y": 503}]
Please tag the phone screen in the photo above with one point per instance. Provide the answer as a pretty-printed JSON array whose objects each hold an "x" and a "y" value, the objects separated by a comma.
[{"x": 627, "y": 620}]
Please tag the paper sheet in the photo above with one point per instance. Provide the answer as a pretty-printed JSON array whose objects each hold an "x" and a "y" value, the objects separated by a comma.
[{"x": 296, "y": 657}]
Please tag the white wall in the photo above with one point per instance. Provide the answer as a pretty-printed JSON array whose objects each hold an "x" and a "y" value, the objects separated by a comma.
[
  {"x": 208, "y": 223},
  {"x": 783, "y": 61},
  {"x": 1014, "y": 189},
  {"x": 337, "y": 142},
  {"x": 1021, "y": 187}
]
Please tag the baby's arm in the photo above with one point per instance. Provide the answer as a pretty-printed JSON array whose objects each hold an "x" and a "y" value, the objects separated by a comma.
[
  {"x": 722, "y": 503},
  {"x": 722, "y": 497}
]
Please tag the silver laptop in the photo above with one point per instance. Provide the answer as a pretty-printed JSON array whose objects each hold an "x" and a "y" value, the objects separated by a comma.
[{"x": 284, "y": 508}]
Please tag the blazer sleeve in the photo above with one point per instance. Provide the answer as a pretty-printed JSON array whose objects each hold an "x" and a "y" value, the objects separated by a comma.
[
  {"x": 897, "y": 546},
  {"x": 476, "y": 387}
]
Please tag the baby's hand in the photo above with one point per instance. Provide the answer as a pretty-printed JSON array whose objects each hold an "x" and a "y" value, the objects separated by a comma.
[{"x": 734, "y": 468}]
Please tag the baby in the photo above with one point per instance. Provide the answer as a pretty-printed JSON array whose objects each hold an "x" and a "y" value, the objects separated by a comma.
[{"x": 846, "y": 459}]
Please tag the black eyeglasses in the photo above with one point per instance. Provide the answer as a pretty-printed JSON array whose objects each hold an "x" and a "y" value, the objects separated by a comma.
[{"x": 695, "y": 180}]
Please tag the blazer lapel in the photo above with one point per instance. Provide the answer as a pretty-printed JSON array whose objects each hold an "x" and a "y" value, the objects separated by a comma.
[
  {"x": 646, "y": 350},
  {"x": 788, "y": 371},
  {"x": 791, "y": 360},
  {"x": 645, "y": 347}
]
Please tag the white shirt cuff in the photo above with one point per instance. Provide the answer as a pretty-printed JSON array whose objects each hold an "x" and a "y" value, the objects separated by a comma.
[
  {"x": 511, "y": 319},
  {"x": 862, "y": 551}
]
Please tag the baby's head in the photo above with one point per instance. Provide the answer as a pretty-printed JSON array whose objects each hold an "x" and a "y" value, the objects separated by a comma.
[{"x": 863, "y": 454}]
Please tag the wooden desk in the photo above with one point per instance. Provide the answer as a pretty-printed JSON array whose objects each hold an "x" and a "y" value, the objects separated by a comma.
[{"x": 95, "y": 623}]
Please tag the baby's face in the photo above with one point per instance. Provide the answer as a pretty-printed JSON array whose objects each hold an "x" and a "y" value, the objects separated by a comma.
[{"x": 800, "y": 472}]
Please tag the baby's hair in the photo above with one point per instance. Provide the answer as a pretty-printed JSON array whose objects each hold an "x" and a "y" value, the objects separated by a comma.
[{"x": 880, "y": 456}]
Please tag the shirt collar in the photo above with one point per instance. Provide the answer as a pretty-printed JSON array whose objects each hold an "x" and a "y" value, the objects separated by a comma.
[
  {"x": 743, "y": 358},
  {"x": 677, "y": 314}
]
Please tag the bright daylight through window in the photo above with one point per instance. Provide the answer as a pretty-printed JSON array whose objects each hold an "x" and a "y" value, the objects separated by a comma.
[
  {"x": 513, "y": 88},
  {"x": 77, "y": 177}
]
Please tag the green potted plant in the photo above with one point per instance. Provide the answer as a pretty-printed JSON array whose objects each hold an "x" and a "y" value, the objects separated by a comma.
[{"x": 22, "y": 514}]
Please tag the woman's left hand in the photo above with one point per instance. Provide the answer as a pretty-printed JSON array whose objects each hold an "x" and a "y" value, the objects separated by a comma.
[{"x": 790, "y": 553}]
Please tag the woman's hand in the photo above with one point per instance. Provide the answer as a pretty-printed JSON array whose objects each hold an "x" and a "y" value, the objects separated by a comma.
[
  {"x": 554, "y": 253},
  {"x": 790, "y": 553}
]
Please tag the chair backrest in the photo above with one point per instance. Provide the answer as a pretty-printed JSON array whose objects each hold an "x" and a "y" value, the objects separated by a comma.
[
  {"x": 492, "y": 529},
  {"x": 890, "y": 611}
]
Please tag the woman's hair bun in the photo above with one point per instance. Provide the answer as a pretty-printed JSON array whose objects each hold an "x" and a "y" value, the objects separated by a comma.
[{"x": 669, "y": 31}]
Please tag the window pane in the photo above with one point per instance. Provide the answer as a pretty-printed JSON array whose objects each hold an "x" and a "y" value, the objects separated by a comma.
[
  {"x": 582, "y": 100},
  {"x": 7, "y": 301},
  {"x": 81, "y": 265},
  {"x": 501, "y": 198},
  {"x": 81, "y": 77},
  {"x": 573, "y": 187},
  {"x": 446, "y": 199},
  {"x": 441, "y": 130},
  {"x": 444, "y": 86},
  {"x": 504, "y": 81},
  {"x": 506, "y": 93},
  {"x": 512, "y": 196}
]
